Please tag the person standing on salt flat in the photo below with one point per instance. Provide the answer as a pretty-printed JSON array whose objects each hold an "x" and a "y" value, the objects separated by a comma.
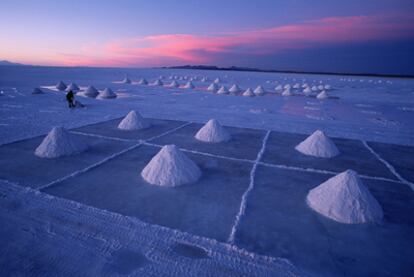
[
  {"x": 70, "y": 97},
  {"x": 318, "y": 145},
  {"x": 133, "y": 121},
  {"x": 345, "y": 199},
  {"x": 170, "y": 168},
  {"x": 213, "y": 132},
  {"x": 60, "y": 142}
]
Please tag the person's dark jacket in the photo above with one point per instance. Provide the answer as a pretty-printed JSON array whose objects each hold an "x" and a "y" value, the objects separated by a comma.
[{"x": 69, "y": 96}]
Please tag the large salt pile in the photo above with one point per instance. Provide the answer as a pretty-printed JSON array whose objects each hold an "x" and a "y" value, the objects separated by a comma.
[
  {"x": 322, "y": 95},
  {"x": 234, "y": 89},
  {"x": 91, "y": 91},
  {"x": 133, "y": 121},
  {"x": 248, "y": 93},
  {"x": 174, "y": 84},
  {"x": 60, "y": 142},
  {"x": 259, "y": 91},
  {"x": 73, "y": 87},
  {"x": 107, "y": 94},
  {"x": 223, "y": 90},
  {"x": 171, "y": 168},
  {"x": 37, "y": 91},
  {"x": 212, "y": 131},
  {"x": 189, "y": 85},
  {"x": 213, "y": 87},
  {"x": 61, "y": 86},
  {"x": 126, "y": 80},
  {"x": 318, "y": 145},
  {"x": 143, "y": 81},
  {"x": 344, "y": 198}
]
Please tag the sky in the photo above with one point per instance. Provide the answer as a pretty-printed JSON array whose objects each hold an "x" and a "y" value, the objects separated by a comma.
[{"x": 357, "y": 36}]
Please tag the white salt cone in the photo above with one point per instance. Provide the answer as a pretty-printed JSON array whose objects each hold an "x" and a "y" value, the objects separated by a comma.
[{"x": 212, "y": 131}]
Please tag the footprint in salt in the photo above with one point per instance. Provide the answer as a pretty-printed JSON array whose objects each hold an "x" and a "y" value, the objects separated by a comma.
[
  {"x": 190, "y": 251},
  {"x": 125, "y": 261}
]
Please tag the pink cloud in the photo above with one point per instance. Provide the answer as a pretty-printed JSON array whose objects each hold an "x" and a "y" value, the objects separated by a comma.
[{"x": 158, "y": 50}]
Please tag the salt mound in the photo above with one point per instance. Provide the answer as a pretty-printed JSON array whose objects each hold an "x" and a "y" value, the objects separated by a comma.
[
  {"x": 91, "y": 92},
  {"x": 213, "y": 87},
  {"x": 60, "y": 142},
  {"x": 212, "y": 131},
  {"x": 307, "y": 91},
  {"x": 327, "y": 87},
  {"x": 223, "y": 90},
  {"x": 133, "y": 121},
  {"x": 279, "y": 88},
  {"x": 37, "y": 91},
  {"x": 143, "y": 81},
  {"x": 321, "y": 87},
  {"x": 259, "y": 91},
  {"x": 217, "y": 80},
  {"x": 287, "y": 92},
  {"x": 107, "y": 94},
  {"x": 204, "y": 79},
  {"x": 157, "y": 82},
  {"x": 174, "y": 84},
  {"x": 171, "y": 168},
  {"x": 288, "y": 86},
  {"x": 296, "y": 86},
  {"x": 61, "y": 86},
  {"x": 248, "y": 93},
  {"x": 318, "y": 145},
  {"x": 314, "y": 88},
  {"x": 344, "y": 198},
  {"x": 189, "y": 85},
  {"x": 234, "y": 89},
  {"x": 322, "y": 95},
  {"x": 72, "y": 87},
  {"x": 126, "y": 80}
]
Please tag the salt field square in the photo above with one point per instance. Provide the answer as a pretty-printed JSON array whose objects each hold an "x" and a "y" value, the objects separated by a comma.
[{"x": 207, "y": 138}]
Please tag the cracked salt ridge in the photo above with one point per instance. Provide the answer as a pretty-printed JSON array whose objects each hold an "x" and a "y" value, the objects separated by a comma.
[
  {"x": 116, "y": 242},
  {"x": 388, "y": 165},
  {"x": 243, "y": 203}
]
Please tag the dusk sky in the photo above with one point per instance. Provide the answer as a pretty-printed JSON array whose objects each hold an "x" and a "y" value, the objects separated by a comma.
[{"x": 367, "y": 36}]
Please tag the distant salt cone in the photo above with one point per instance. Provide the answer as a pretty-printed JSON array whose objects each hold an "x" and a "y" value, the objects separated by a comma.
[
  {"x": 287, "y": 92},
  {"x": 37, "y": 91},
  {"x": 107, "y": 94},
  {"x": 61, "y": 86},
  {"x": 213, "y": 87},
  {"x": 314, "y": 88},
  {"x": 171, "y": 168},
  {"x": 321, "y": 87},
  {"x": 322, "y": 95},
  {"x": 279, "y": 88},
  {"x": 327, "y": 87},
  {"x": 133, "y": 121},
  {"x": 91, "y": 91},
  {"x": 189, "y": 85},
  {"x": 296, "y": 86},
  {"x": 344, "y": 198},
  {"x": 234, "y": 89},
  {"x": 288, "y": 86},
  {"x": 259, "y": 91},
  {"x": 126, "y": 80},
  {"x": 72, "y": 87},
  {"x": 174, "y": 84},
  {"x": 217, "y": 80},
  {"x": 307, "y": 91},
  {"x": 223, "y": 90},
  {"x": 157, "y": 82},
  {"x": 143, "y": 81},
  {"x": 212, "y": 131},
  {"x": 248, "y": 93},
  {"x": 318, "y": 145},
  {"x": 60, "y": 142}
]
